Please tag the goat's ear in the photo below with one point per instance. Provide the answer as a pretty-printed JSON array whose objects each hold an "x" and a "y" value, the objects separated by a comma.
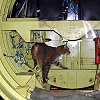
[{"x": 65, "y": 46}]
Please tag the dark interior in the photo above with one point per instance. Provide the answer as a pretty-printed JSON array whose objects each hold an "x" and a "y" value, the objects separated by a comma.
[
  {"x": 89, "y": 9},
  {"x": 57, "y": 9}
]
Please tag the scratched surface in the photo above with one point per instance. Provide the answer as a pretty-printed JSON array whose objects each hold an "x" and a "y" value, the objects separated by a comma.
[{"x": 40, "y": 94}]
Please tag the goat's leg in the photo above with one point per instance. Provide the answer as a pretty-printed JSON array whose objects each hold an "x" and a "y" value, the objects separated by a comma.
[
  {"x": 35, "y": 63},
  {"x": 44, "y": 74},
  {"x": 48, "y": 66},
  {"x": 59, "y": 64},
  {"x": 45, "y": 71}
]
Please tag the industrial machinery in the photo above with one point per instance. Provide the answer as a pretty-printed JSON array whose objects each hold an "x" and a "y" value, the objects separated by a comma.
[{"x": 19, "y": 30}]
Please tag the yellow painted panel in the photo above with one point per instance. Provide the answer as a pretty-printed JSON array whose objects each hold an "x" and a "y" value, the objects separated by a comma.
[
  {"x": 85, "y": 78},
  {"x": 12, "y": 92},
  {"x": 1, "y": 3},
  {"x": 72, "y": 79}
]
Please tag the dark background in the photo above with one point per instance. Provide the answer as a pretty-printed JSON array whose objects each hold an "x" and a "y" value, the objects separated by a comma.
[
  {"x": 89, "y": 9},
  {"x": 53, "y": 9},
  {"x": 1, "y": 98}
]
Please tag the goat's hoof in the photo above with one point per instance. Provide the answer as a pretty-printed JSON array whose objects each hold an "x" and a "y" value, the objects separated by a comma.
[
  {"x": 65, "y": 67},
  {"x": 30, "y": 71}
]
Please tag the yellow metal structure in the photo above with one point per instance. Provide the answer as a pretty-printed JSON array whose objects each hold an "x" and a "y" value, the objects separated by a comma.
[{"x": 16, "y": 83}]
